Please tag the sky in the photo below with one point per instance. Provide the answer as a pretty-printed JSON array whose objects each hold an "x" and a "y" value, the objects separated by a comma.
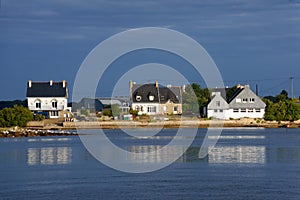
[{"x": 251, "y": 42}]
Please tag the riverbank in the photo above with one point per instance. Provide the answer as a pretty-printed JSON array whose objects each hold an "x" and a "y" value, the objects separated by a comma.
[{"x": 69, "y": 128}]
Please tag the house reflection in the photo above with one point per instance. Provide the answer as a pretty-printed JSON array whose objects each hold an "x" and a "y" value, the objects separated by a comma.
[
  {"x": 155, "y": 153},
  {"x": 238, "y": 154},
  {"x": 222, "y": 154},
  {"x": 49, "y": 155}
]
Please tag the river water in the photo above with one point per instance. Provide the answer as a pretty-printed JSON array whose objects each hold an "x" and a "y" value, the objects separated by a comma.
[{"x": 246, "y": 163}]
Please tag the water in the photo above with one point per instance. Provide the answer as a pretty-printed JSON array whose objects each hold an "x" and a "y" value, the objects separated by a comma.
[{"x": 245, "y": 164}]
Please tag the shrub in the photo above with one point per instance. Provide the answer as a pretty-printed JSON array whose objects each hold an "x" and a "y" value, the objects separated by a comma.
[{"x": 16, "y": 116}]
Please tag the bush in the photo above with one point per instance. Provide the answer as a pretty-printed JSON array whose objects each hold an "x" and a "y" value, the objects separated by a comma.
[
  {"x": 16, "y": 116},
  {"x": 107, "y": 113}
]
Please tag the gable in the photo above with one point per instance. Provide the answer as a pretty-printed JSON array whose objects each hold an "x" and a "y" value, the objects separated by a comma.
[
  {"x": 246, "y": 98},
  {"x": 218, "y": 102}
]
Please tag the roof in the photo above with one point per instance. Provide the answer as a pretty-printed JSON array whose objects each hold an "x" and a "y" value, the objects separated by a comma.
[
  {"x": 45, "y": 89},
  {"x": 240, "y": 93},
  {"x": 160, "y": 94}
]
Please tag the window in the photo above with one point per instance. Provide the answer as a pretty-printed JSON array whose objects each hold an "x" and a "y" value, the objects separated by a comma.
[
  {"x": 138, "y": 98},
  {"x": 151, "y": 98},
  {"x": 245, "y": 100},
  {"x": 221, "y": 110},
  {"x": 251, "y": 100},
  {"x": 54, "y": 113},
  {"x": 54, "y": 104},
  {"x": 137, "y": 108},
  {"x": 162, "y": 98},
  {"x": 238, "y": 100},
  {"x": 257, "y": 110},
  {"x": 235, "y": 110},
  {"x": 215, "y": 111},
  {"x": 151, "y": 109},
  {"x": 175, "y": 108},
  {"x": 142, "y": 109},
  {"x": 243, "y": 110},
  {"x": 38, "y": 105},
  {"x": 218, "y": 103},
  {"x": 250, "y": 110}
]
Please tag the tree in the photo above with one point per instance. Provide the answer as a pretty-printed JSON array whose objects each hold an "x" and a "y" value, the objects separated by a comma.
[
  {"x": 283, "y": 109},
  {"x": 115, "y": 109},
  {"x": 194, "y": 98},
  {"x": 189, "y": 100},
  {"x": 231, "y": 91},
  {"x": 282, "y": 96},
  {"x": 16, "y": 116},
  {"x": 134, "y": 112}
]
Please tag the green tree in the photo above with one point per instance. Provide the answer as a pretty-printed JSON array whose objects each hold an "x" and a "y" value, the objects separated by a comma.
[
  {"x": 115, "y": 109},
  {"x": 134, "y": 112},
  {"x": 16, "y": 116},
  {"x": 189, "y": 100},
  {"x": 231, "y": 91},
  {"x": 283, "y": 96},
  {"x": 107, "y": 113},
  {"x": 283, "y": 109}
]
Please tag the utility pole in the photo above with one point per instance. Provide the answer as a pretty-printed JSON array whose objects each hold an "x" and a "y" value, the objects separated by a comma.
[{"x": 292, "y": 87}]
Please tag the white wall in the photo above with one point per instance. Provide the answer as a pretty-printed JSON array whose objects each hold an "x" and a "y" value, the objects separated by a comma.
[
  {"x": 218, "y": 114},
  {"x": 254, "y": 114},
  {"x": 227, "y": 114},
  {"x": 46, "y": 103},
  {"x": 145, "y": 108}
]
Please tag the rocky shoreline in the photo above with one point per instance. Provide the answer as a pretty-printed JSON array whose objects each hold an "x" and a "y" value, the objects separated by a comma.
[
  {"x": 69, "y": 128},
  {"x": 27, "y": 132}
]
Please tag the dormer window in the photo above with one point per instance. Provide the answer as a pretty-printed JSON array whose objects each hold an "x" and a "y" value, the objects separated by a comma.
[
  {"x": 151, "y": 98},
  {"x": 138, "y": 98}
]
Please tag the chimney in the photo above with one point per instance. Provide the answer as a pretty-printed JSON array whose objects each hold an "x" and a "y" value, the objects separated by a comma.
[
  {"x": 256, "y": 90},
  {"x": 51, "y": 82},
  {"x": 156, "y": 84},
  {"x": 64, "y": 83},
  {"x": 29, "y": 83}
]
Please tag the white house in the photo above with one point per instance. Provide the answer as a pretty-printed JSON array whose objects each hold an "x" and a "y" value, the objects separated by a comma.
[
  {"x": 153, "y": 99},
  {"x": 241, "y": 104},
  {"x": 48, "y": 98}
]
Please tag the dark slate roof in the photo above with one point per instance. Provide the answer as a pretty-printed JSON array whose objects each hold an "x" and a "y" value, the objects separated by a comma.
[
  {"x": 44, "y": 89},
  {"x": 145, "y": 91},
  {"x": 161, "y": 94},
  {"x": 235, "y": 94}
]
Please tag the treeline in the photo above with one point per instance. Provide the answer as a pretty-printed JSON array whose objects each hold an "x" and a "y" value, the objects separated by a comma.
[
  {"x": 17, "y": 116},
  {"x": 10, "y": 104},
  {"x": 282, "y": 108}
]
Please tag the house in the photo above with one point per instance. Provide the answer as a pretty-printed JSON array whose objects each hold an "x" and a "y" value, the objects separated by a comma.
[
  {"x": 243, "y": 103},
  {"x": 154, "y": 99},
  {"x": 48, "y": 98},
  {"x": 123, "y": 103},
  {"x": 90, "y": 104}
]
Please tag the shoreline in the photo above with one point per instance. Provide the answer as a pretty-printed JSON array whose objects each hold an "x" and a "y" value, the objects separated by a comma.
[{"x": 69, "y": 128}]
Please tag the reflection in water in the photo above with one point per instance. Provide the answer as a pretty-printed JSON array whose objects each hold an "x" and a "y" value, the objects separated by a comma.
[
  {"x": 49, "y": 155},
  {"x": 154, "y": 153},
  {"x": 238, "y": 154},
  {"x": 222, "y": 154},
  {"x": 237, "y": 137}
]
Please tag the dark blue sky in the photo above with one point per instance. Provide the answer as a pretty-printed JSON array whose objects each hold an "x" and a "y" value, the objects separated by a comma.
[{"x": 255, "y": 42}]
